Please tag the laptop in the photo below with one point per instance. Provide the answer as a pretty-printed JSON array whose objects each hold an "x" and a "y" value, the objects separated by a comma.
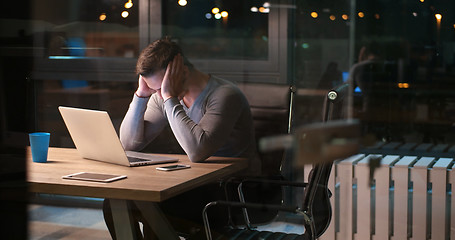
[{"x": 95, "y": 138}]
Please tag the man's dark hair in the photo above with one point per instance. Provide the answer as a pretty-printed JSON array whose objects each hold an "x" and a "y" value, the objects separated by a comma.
[{"x": 157, "y": 55}]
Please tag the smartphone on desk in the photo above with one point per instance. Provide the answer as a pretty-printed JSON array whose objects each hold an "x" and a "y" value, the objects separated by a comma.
[{"x": 173, "y": 167}]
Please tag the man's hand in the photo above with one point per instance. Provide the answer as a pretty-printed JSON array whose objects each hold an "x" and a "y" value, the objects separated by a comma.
[
  {"x": 143, "y": 89},
  {"x": 173, "y": 81}
]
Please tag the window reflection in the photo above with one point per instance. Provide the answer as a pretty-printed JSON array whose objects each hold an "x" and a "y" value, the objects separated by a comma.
[
  {"x": 416, "y": 40},
  {"x": 411, "y": 101},
  {"x": 219, "y": 29},
  {"x": 113, "y": 97},
  {"x": 81, "y": 29}
]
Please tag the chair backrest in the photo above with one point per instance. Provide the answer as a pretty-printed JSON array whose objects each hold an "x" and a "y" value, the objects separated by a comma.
[
  {"x": 316, "y": 199},
  {"x": 271, "y": 108},
  {"x": 335, "y": 103}
]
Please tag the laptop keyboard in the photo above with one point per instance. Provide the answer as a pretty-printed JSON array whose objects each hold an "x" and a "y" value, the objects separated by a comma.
[
  {"x": 135, "y": 159},
  {"x": 139, "y": 158}
]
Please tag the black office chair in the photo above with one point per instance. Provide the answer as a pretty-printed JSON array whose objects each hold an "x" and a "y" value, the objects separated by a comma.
[
  {"x": 316, "y": 208},
  {"x": 316, "y": 211},
  {"x": 271, "y": 108}
]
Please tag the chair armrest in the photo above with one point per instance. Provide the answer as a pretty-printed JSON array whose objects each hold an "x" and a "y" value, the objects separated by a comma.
[
  {"x": 276, "y": 182},
  {"x": 266, "y": 181},
  {"x": 291, "y": 209},
  {"x": 238, "y": 181}
]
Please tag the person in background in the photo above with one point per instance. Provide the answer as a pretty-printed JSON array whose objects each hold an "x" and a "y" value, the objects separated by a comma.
[
  {"x": 369, "y": 63},
  {"x": 331, "y": 78},
  {"x": 368, "y": 71},
  {"x": 209, "y": 116}
]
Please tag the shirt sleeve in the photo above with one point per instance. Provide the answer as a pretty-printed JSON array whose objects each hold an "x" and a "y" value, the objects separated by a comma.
[
  {"x": 202, "y": 140},
  {"x": 143, "y": 121}
]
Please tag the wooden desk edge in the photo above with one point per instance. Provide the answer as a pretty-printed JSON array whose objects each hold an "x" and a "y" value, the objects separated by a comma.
[{"x": 94, "y": 190}]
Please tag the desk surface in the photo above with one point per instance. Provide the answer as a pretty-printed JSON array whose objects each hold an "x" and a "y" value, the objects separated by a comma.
[{"x": 142, "y": 183}]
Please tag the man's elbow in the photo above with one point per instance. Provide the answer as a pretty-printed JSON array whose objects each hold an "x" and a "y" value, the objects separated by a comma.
[
  {"x": 197, "y": 158},
  {"x": 130, "y": 145}
]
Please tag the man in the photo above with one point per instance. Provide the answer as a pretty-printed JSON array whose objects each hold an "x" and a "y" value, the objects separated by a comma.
[{"x": 208, "y": 116}]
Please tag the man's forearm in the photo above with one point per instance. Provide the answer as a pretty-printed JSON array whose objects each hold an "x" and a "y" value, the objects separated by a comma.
[
  {"x": 197, "y": 143},
  {"x": 132, "y": 127}
]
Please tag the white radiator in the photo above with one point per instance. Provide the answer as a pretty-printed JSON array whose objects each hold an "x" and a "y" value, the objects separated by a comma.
[{"x": 410, "y": 198}]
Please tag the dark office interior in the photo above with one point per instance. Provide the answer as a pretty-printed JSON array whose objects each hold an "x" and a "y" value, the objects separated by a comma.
[{"x": 63, "y": 52}]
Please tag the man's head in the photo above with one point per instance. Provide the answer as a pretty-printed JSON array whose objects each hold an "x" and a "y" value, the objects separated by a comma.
[
  {"x": 156, "y": 56},
  {"x": 370, "y": 50}
]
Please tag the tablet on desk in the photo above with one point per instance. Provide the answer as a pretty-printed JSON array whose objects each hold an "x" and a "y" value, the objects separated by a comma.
[{"x": 95, "y": 177}]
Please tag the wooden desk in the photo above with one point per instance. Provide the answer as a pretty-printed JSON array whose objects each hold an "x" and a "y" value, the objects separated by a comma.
[{"x": 143, "y": 184}]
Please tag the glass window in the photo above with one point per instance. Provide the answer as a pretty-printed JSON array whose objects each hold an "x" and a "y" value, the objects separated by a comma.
[
  {"x": 322, "y": 30},
  {"x": 396, "y": 57},
  {"x": 405, "y": 94},
  {"x": 113, "y": 97},
  {"x": 223, "y": 29},
  {"x": 84, "y": 28}
]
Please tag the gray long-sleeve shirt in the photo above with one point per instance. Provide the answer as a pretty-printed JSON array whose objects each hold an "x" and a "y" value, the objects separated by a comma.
[{"x": 218, "y": 123}]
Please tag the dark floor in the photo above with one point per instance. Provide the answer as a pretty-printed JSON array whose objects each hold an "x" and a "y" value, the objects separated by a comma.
[{"x": 50, "y": 221}]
